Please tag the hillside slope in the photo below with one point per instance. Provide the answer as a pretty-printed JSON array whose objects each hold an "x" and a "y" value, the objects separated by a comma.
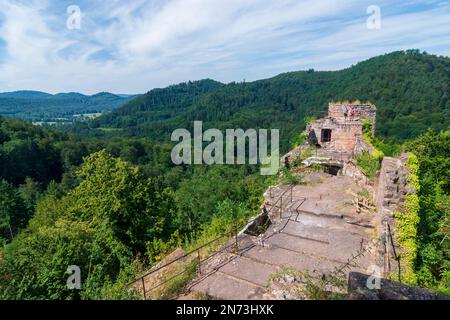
[
  {"x": 35, "y": 105},
  {"x": 410, "y": 89}
]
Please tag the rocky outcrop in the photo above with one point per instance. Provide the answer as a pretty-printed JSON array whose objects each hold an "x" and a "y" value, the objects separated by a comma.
[{"x": 388, "y": 290}]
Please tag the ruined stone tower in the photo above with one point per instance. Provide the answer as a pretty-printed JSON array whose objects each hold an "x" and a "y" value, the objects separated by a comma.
[{"x": 340, "y": 133}]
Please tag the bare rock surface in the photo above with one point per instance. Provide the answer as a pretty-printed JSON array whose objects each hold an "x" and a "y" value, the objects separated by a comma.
[
  {"x": 388, "y": 290},
  {"x": 317, "y": 238}
]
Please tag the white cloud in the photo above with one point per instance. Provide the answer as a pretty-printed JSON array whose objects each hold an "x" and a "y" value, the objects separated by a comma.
[{"x": 143, "y": 44}]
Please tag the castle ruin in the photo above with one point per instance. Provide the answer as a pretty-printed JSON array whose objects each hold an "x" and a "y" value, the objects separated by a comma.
[
  {"x": 339, "y": 135},
  {"x": 335, "y": 223}
]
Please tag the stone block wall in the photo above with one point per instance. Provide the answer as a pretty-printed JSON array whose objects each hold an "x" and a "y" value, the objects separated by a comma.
[
  {"x": 392, "y": 184},
  {"x": 346, "y": 131},
  {"x": 344, "y": 136},
  {"x": 351, "y": 170},
  {"x": 362, "y": 111},
  {"x": 390, "y": 193}
]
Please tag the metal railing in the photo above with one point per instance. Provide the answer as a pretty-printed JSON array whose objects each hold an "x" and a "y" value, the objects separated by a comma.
[
  {"x": 278, "y": 205},
  {"x": 271, "y": 195},
  {"x": 295, "y": 211},
  {"x": 390, "y": 239},
  {"x": 198, "y": 259},
  {"x": 197, "y": 251}
]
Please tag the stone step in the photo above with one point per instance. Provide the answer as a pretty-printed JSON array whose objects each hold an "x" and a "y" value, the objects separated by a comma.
[
  {"x": 245, "y": 277},
  {"x": 334, "y": 224},
  {"x": 222, "y": 286},
  {"x": 253, "y": 271},
  {"x": 309, "y": 207},
  {"x": 286, "y": 258},
  {"x": 322, "y": 250},
  {"x": 326, "y": 234}
]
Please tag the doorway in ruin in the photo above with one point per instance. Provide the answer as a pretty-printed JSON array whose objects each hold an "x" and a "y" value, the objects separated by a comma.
[{"x": 325, "y": 135}]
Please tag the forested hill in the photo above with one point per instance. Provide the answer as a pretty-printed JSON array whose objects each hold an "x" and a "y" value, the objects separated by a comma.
[
  {"x": 35, "y": 105},
  {"x": 410, "y": 89},
  {"x": 116, "y": 204},
  {"x": 157, "y": 112}
]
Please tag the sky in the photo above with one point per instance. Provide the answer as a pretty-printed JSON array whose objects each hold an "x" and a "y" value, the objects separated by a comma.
[{"x": 125, "y": 46}]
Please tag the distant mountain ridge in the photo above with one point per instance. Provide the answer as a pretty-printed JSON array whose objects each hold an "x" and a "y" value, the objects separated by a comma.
[
  {"x": 42, "y": 106},
  {"x": 26, "y": 94}
]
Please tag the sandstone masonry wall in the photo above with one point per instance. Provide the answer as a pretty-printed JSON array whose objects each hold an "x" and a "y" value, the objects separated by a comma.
[
  {"x": 390, "y": 193},
  {"x": 363, "y": 111},
  {"x": 346, "y": 129},
  {"x": 351, "y": 170}
]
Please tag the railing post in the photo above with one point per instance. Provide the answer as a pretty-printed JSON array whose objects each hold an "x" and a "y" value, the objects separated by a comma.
[
  {"x": 143, "y": 288},
  {"x": 397, "y": 258},
  {"x": 281, "y": 207},
  {"x": 236, "y": 239},
  {"x": 199, "y": 263},
  {"x": 388, "y": 260}
]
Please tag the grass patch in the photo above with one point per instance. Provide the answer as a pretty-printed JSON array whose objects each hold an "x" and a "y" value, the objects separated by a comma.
[{"x": 177, "y": 286}]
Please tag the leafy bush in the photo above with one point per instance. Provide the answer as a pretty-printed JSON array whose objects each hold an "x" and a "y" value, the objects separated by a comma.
[
  {"x": 367, "y": 128},
  {"x": 307, "y": 153},
  {"x": 432, "y": 263},
  {"x": 298, "y": 140},
  {"x": 407, "y": 222},
  {"x": 369, "y": 163},
  {"x": 291, "y": 178}
]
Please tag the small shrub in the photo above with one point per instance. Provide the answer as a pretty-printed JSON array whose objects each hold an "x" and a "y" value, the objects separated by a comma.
[
  {"x": 297, "y": 161},
  {"x": 370, "y": 163},
  {"x": 364, "y": 194},
  {"x": 158, "y": 248},
  {"x": 292, "y": 178},
  {"x": 298, "y": 140},
  {"x": 309, "y": 152},
  {"x": 367, "y": 129},
  {"x": 309, "y": 119},
  {"x": 317, "y": 167}
]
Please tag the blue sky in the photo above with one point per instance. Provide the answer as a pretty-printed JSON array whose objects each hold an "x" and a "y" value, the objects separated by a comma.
[{"x": 127, "y": 46}]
